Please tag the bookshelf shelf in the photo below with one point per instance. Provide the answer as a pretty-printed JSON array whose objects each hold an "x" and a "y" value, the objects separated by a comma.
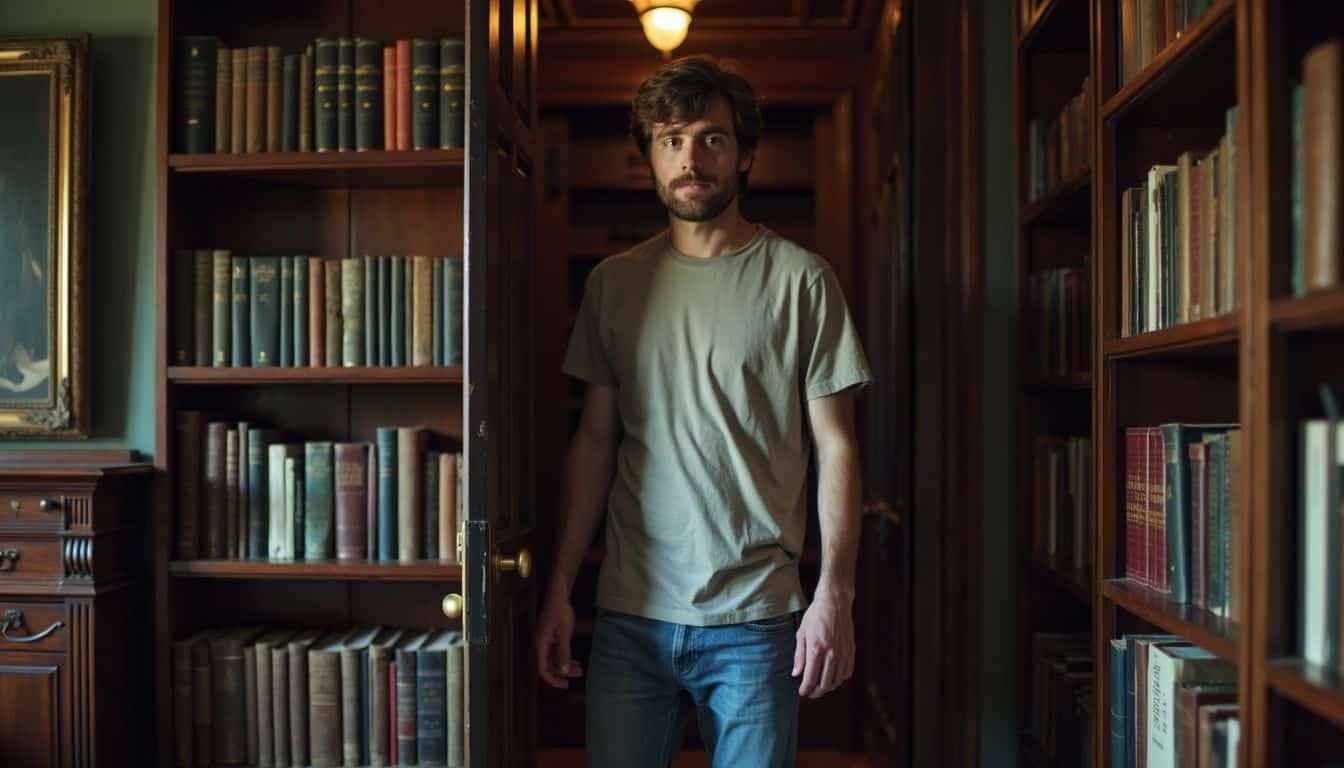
[
  {"x": 1312, "y": 312},
  {"x": 324, "y": 570},
  {"x": 1307, "y": 685},
  {"x": 354, "y": 375},
  {"x": 1216, "y": 335},
  {"x": 1076, "y": 582},
  {"x": 1070, "y": 201},
  {"x": 372, "y": 168},
  {"x": 1214, "y": 633},
  {"x": 1190, "y": 60}
]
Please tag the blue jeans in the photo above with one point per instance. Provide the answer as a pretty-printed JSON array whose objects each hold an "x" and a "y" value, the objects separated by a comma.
[{"x": 645, "y": 675}]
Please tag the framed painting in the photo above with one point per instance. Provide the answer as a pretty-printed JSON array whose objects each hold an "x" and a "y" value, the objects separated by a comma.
[{"x": 44, "y": 302}]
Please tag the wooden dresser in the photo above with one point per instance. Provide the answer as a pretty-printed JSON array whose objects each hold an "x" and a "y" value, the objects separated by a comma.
[{"x": 75, "y": 642}]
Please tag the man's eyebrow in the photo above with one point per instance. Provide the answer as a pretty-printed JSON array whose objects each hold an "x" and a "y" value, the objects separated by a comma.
[{"x": 680, "y": 128}]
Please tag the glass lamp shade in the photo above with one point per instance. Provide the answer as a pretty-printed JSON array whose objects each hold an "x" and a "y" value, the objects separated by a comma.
[{"x": 665, "y": 27}]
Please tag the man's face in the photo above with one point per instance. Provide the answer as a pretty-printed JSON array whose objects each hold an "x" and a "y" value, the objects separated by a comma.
[{"x": 695, "y": 164}]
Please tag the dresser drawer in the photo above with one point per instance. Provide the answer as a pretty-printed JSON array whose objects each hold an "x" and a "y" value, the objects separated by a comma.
[
  {"x": 35, "y": 619},
  {"x": 29, "y": 559},
  {"x": 26, "y": 510}
]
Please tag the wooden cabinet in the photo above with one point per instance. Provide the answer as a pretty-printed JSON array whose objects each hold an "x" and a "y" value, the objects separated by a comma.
[{"x": 74, "y": 648}]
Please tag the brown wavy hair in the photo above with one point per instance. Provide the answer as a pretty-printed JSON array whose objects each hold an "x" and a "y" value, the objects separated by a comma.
[{"x": 683, "y": 90}]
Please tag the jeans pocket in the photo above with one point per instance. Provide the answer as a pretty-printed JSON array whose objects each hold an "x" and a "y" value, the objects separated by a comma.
[{"x": 774, "y": 624}]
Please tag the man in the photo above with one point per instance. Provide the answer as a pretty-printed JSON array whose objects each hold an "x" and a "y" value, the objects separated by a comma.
[{"x": 704, "y": 348}]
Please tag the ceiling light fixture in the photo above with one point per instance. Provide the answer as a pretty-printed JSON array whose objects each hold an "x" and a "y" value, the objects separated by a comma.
[{"x": 665, "y": 22}]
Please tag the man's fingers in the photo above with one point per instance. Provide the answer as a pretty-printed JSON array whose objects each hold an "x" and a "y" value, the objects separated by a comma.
[
  {"x": 544, "y": 662},
  {"x": 799, "y": 653},
  {"x": 811, "y": 669},
  {"x": 828, "y": 669},
  {"x": 562, "y": 659}
]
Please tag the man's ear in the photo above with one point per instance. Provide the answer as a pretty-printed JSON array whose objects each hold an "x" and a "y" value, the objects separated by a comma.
[{"x": 745, "y": 162}]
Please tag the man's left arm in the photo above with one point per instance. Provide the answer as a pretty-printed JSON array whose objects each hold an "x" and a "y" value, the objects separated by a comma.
[{"x": 824, "y": 654}]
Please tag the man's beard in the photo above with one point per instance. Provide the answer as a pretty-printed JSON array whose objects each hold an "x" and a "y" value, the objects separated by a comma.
[{"x": 701, "y": 208}]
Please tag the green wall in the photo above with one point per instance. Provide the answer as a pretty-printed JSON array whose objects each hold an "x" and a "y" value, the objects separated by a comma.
[
  {"x": 121, "y": 225},
  {"x": 998, "y": 575}
]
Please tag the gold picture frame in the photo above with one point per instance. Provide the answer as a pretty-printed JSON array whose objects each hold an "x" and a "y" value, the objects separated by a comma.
[{"x": 44, "y": 172}]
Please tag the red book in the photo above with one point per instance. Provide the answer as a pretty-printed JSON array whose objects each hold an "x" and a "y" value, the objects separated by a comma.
[
  {"x": 352, "y": 499},
  {"x": 389, "y": 97},
  {"x": 1157, "y": 512},
  {"x": 392, "y": 713},
  {"x": 403, "y": 89},
  {"x": 1136, "y": 500}
]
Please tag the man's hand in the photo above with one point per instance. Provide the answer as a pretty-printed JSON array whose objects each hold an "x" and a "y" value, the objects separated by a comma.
[
  {"x": 824, "y": 654},
  {"x": 554, "y": 631}
]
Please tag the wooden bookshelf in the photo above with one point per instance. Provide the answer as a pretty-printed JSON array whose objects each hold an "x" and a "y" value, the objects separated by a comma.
[
  {"x": 475, "y": 203},
  {"x": 1214, "y": 633},
  {"x": 1052, "y": 232},
  {"x": 1216, "y": 335}
]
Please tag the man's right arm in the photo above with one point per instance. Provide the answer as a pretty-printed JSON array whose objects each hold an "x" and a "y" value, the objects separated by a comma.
[{"x": 588, "y": 472}]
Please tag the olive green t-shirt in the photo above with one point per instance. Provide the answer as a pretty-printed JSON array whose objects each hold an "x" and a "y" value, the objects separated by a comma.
[{"x": 713, "y": 361}]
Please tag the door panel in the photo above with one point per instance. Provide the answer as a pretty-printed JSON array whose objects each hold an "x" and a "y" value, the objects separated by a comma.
[
  {"x": 30, "y": 709},
  {"x": 500, "y": 261}
]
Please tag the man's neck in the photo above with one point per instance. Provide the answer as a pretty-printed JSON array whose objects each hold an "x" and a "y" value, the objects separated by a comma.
[{"x": 707, "y": 239}]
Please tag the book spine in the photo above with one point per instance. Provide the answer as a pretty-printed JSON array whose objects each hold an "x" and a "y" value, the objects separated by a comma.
[
  {"x": 197, "y": 56},
  {"x": 422, "y": 312},
  {"x": 184, "y": 340},
  {"x": 1157, "y": 512},
  {"x": 250, "y": 703},
  {"x": 188, "y": 463},
  {"x": 228, "y": 709},
  {"x": 352, "y": 312},
  {"x": 368, "y": 94},
  {"x": 238, "y": 110},
  {"x": 333, "y": 312},
  {"x": 378, "y": 707},
  {"x": 202, "y": 704},
  {"x": 324, "y": 709},
  {"x": 274, "y": 96},
  {"x": 403, "y": 84},
  {"x": 424, "y": 93},
  {"x": 436, "y": 323},
  {"x": 1323, "y": 123},
  {"x": 387, "y": 493},
  {"x": 398, "y": 298},
  {"x": 298, "y": 705},
  {"x": 265, "y": 757},
  {"x": 280, "y": 706},
  {"x": 317, "y": 310},
  {"x": 241, "y": 313},
  {"x": 407, "y": 719},
  {"x": 264, "y": 293},
  {"x": 245, "y": 431},
  {"x": 183, "y": 725},
  {"x": 289, "y": 124},
  {"x": 300, "y": 280},
  {"x": 230, "y": 492},
  {"x": 431, "y": 678},
  {"x": 258, "y": 507},
  {"x": 453, "y": 311},
  {"x": 256, "y": 98},
  {"x": 351, "y": 692},
  {"x": 222, "y": 307},
  {"x": 410, "y": 493},
  {"x": 352, "y": 496},
  {"x": 447, "y": 508},
  {"x": 325, "y": 63},
  {"x": 286, "y": 329},
  {"x": 1178, "y": 558},
  {"x": 305, "y": 118},
  {"x": 393, "y": 753},
  {"x": 223, "y": 100},
  {"x": 215, "y": 495},
  {"x": 345, "y": 94},
  {"x": 430, "y": 526},
  {"x": 1299, "y": 187},
  {"x": 389, "y": 97},
  {"x": 452, "y": 89},
  {"x": 370, "y": 284},
  {"x": 203, "y": 306},
  {"x": 319, "y": 536},
  {"x": 454, "y": 699}
]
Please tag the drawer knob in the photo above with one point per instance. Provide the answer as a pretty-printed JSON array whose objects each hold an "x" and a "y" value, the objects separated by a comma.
[
  {"x": 14, "y": 620},
  {"x": 48, "y": 505},
  {"x": 14, "y": 506},
  {"x": 12, "y": 555}
]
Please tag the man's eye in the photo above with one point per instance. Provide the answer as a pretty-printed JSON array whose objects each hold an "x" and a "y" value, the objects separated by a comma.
[
  {"x": 671, "y": 143},
  {"x": 713, "y": 141}
]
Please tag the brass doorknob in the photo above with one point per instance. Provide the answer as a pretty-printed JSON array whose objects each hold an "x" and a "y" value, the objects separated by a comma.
[
  {"x": 452, "y": 606},
  {"x": 522, "y": 563}
]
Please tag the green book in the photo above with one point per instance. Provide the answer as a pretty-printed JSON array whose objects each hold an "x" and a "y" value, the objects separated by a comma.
[
  {"x": 300, "y": 313},
  {"x": 195, "y": 60},
  {"x": 397, "y": 291},
  {"x": 345, "y": 94},
  {"x": 369, "y": 267},
  {"x": 289, "y": 103},
  {"x": 242, "y": 310},
  {"x": 368, "y": 94},
  {"x": 452, "y": 89},
  {"x": 437, "y": 303},
  {"x": 1299, "y": 186},
  {"x": 453, "y": 311},
  {"x": 352, "y": 312},
  {"x": 319, "y": 534},
  {"x": 324, "y": 94},
  {"x": 264, "y": 294},
  {"x": 431, "y": 527},
  {"x": 286, "y": 311},
  {"x": 1176, "y": 440},
  {"x": 222, "y": 301},
  {"x": 424, "y": 93},
  {"x": 379, "y": 290}
]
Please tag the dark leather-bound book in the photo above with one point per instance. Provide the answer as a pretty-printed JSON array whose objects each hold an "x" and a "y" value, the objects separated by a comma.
[
  {"x": 387, "y": 493},
  {"x": 256, "y": 98},
  {"x": 318, "y": 534},
  {"x": 345, "y": 94},
  {"x": 1323, "y": 125},
  {"x": 215, "y": 493},
  {"x": 317, "y": 311},
  {"x": 410, "y": 493},
  {"x": 297, "y": 660},
  {"x": 264, "y": 293},
  {"x": 325, "y": 63},
  {"x": 299, "y": 331},
  {"x": 403, "y": 94},
  {"x": 238, "y": 103},
  {"x": 227, "y": 691},
  {"x": 203, "y": 306},
  {"x": 407, "y": 722},
  {"x": 324, "y": 702},
  {"x": 286, "y": 328},
  {"x": 223, "y": 100},
  {"x": 333, "y": 311},
  {"x": 305, "y": 128},
  {"x": 197, "y": 56},
  {"x": 424, "y": 93},
  {"x": 352, "y": 496},
  {"x": 275, "y": 83},
  {"x": 289, "y": 103},
  {"x": 431, "y": 705},
  {"x": 188, "y": 469},
  {"x": 241, "y": 313},
  {"x": 184, "y": 342},
  {"x": 221, "y": 316},
  {"x": 390, "y": 97},
  {"x": 368, "y": 94},
  {"x": 264, "y": 653},
  {"x": 452, "y": 91}
]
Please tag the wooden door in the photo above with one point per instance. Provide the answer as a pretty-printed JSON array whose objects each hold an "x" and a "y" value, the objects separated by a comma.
[
  {"x": 32, "y": 690},
  {"x": 500, "y": 255},
  {"x": 883, "y": 611}
]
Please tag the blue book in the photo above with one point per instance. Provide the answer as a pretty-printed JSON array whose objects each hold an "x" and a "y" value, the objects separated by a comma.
[
  {"x": 300, "y": 311},
  {"x": 319, "y": 533},
  {"x": 387, "y": 493},
  {"x": 1176, "y": 442},
  {"x": 1119, "y": 721}
]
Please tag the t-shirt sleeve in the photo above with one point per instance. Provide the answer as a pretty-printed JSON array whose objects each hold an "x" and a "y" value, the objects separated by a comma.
[
  {"x": 832, "y": 355},
  {"x": 586, "y": 357}
]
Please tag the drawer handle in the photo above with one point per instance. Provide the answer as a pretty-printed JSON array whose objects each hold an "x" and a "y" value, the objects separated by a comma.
[
  {"x": 14, "y": 620},
  {"x": 12, "y": 555},
  {"x": 49, "y": 505}
]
